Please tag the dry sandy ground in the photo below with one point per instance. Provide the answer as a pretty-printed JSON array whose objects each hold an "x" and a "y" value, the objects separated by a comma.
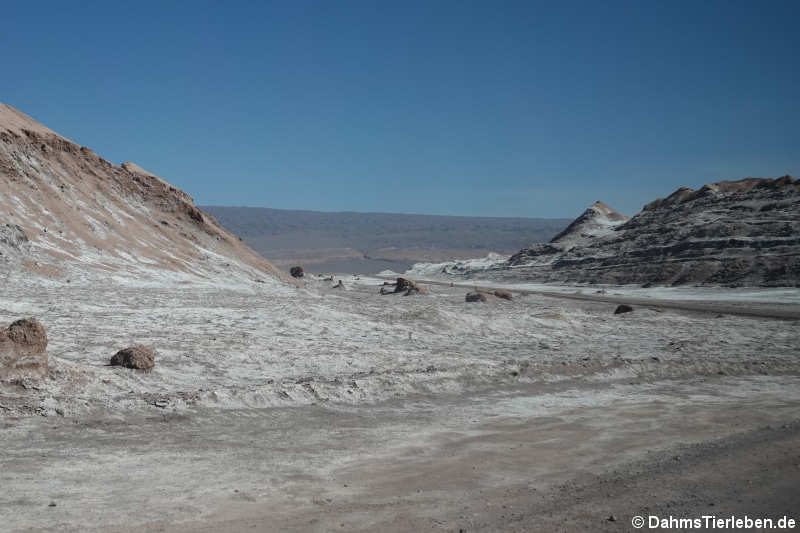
[{"x": 534, "y": 415}]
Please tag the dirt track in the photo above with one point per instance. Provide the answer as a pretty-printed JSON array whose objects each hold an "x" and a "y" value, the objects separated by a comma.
[
  {"x": 567, "y": 470},
  {"x": 544, "y": 458},
  {"x": 781, "y": 311}
]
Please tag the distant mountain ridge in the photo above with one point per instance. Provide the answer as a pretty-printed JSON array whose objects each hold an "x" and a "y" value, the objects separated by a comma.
[{"x": 370, "y": 242}]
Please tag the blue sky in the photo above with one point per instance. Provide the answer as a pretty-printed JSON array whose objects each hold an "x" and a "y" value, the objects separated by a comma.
[{"x": 469, "y": 108}]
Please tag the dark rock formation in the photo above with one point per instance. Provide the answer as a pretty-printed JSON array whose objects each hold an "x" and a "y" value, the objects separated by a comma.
[
  {"x": 297, "y": 272},
  {"x": 137, "y": 357},
  {"x": 405, "y": 286},
  {"x": 409, "y": 287},
  {"x": 623, "y": 308}
]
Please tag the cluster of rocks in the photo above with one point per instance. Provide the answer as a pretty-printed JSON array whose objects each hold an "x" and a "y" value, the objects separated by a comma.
[
  {"x": 23, "y": 352},
  {"x": 488, "y": 295},
  {"x": 404, "y": 286}
]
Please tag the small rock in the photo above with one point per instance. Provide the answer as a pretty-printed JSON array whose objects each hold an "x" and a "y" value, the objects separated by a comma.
[
  {"x": 504, "y": 294},
  {"x": 623, "y": 308},
  {"x": 52, "y": 504},
  {"x": 480, "y": 296},
  {"x": 612, "y": 518},
  {"x": 297, "y": 272}
]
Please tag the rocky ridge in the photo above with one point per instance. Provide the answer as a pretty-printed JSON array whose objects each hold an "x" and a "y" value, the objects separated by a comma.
[
  {"x": 731, "y": 233},
  {"x": 736, "y": 233}
]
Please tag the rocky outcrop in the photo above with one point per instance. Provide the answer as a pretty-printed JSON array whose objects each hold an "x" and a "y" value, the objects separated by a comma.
[
  {"x": 137, "y": 357},
  {"x": 735, "y": 233},
  {"x": 23, "y": 350},
  {"x": 297, "y": 272}
]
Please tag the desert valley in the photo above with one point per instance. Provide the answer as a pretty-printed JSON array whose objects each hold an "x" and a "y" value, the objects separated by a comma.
[{"x": 628, "y": 367}]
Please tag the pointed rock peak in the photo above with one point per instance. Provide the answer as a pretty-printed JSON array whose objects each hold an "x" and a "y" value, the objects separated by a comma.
[
  {"x": 598, "y": 220},
  {"x": 605, "y": 210}
]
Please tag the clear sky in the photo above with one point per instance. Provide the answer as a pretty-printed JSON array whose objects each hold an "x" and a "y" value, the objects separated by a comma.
[{"x": 470, "y": 108}]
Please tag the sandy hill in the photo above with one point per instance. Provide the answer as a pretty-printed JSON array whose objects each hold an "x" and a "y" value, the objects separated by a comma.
[{"x": 66, "y": 212}]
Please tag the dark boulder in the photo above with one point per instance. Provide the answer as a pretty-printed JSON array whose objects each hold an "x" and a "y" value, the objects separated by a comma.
[
  {"x": 407, "y": 287},
  {"x": 297, "y": 272},
  {"x": 137, "y": 357},
  {"x": 480, "y": 296},
  {"x": 623, "y": 308},
  {"x": 23, "y": 346}
]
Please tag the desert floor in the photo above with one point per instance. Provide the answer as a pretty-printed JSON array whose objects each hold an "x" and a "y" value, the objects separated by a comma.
[{"x": 321, "y": 409}]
